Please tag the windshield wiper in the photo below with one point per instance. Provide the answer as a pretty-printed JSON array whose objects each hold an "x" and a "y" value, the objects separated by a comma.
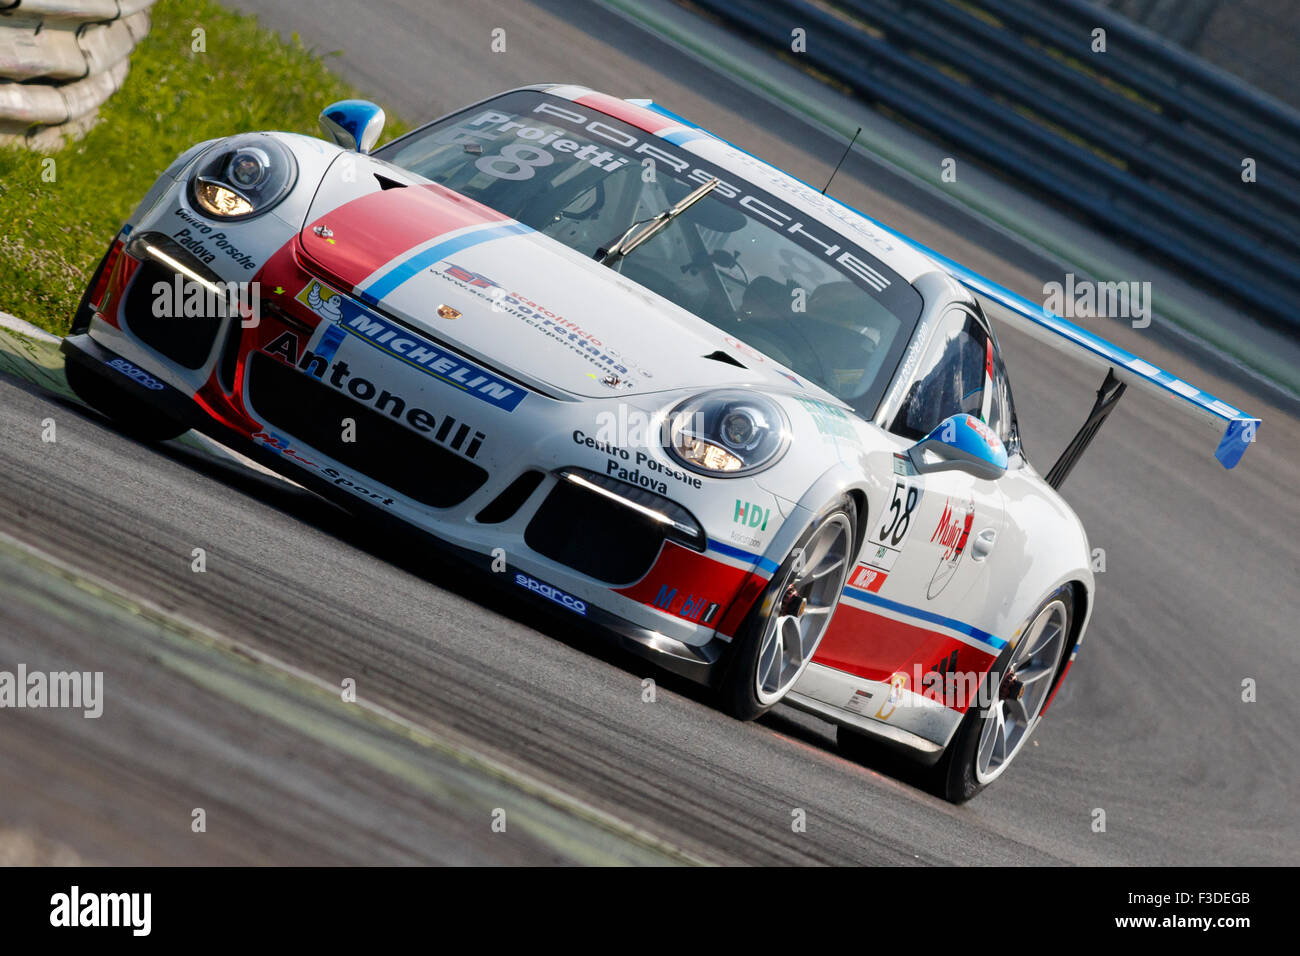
[{"x": 648, "y": 228}]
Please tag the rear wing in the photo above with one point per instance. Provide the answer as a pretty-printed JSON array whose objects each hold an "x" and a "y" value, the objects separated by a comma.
[{"x": 1234, "y": 428}]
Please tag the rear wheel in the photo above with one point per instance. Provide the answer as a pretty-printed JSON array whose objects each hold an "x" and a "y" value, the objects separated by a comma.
[
  {"x": 1017, "y": 689},
  {"x": 131, "y": 415},
  {"x": 782, "y": 632}
]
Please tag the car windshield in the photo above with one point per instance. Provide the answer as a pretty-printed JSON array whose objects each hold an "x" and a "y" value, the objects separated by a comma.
[{"x": 777, "y": 282}]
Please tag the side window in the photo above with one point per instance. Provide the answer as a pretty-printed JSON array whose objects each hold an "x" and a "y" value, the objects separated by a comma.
[
  {"x": 1002, "y": 410},
  {"x": 950, "y": 379}
]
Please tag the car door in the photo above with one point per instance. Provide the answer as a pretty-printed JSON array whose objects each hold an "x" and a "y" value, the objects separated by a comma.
[
  {"x": 917, "y": 599},
  {"x": 953, "y": 510}
]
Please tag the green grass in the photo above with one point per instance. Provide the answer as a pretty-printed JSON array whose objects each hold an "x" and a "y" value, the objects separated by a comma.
[{"x": 53, "y": 233}]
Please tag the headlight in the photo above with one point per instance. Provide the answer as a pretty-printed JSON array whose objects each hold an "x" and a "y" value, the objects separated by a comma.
[
  {"x": 727, "y": 433},
  {"x": 243, "y": 176}
]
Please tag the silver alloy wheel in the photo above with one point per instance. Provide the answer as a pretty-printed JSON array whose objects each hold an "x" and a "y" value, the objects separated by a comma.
[
  {"x": 1022, "y": 692},
  {"x": 802, "y": 608}
]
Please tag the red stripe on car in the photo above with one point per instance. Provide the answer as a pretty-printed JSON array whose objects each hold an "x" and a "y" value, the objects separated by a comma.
[
  {"x": 876, "y": 647},
  {"x": 690, "y": 585},
  {"x": 362, "y": 236},
  {"x": 630, "y": 113}
]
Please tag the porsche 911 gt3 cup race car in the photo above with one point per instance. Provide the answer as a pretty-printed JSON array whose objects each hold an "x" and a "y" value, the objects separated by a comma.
[{"x": 761, "y": 438}]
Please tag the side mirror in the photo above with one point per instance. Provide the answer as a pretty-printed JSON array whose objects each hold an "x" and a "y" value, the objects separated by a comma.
[
  {"x": 353, "y": 124},
  {"x": 961, "y": 443}
]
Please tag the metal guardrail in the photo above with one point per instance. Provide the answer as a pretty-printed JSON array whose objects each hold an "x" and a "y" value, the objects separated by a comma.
[
  {"x": 60, "y": 60},
  {"x": 1254, "y": 40},
  {"x": 1144, "y": 139}
]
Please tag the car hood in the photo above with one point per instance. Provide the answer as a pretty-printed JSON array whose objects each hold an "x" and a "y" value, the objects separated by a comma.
[{"x": 512, "y": 297}]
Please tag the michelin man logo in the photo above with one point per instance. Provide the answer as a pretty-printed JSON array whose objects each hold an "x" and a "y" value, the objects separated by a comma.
[{"x": 322, "y": 300}]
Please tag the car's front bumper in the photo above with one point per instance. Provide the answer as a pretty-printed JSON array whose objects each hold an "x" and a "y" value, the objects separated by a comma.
[{"x": 696, "y": 659}]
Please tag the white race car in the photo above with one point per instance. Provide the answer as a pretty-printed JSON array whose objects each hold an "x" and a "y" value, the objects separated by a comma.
[{"x": 658, "y": 383}]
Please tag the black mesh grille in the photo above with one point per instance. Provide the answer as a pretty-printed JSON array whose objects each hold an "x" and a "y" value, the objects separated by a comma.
[
  {"x": 587, "y": 531},
  {"x": 186, "y": 340},
  {"x": 503, "y": 506},
  {"x": 230, "y": 356},
  {"x": 312, "y": 412}
]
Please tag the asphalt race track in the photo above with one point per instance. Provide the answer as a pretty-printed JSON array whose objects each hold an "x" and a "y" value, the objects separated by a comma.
[{"x": 1200, "y": 592}]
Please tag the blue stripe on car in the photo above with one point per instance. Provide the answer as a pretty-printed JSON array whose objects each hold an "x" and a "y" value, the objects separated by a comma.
[
  {"x": 683, "y": 136},
  {"x": 767, "y": 564},
  {"x": 984, "y": 637},
  {"x": 413, "y": 265},
  {"x": 329, "y": 343}
]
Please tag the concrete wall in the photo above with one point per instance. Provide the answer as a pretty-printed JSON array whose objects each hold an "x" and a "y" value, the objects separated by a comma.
[{"x": 59, "y": 60}]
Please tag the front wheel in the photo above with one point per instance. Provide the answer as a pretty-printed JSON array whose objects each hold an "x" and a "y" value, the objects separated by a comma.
[
  {"x": 782, "y": 631},
  {"x": 1017, "y": 688}
]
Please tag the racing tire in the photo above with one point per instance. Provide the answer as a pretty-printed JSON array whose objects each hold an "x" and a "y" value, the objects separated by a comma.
[
  {"x": 128, "y": 413},
  {"x": 1018, "y": 687},
  {"x": 788, "y": 621}
]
